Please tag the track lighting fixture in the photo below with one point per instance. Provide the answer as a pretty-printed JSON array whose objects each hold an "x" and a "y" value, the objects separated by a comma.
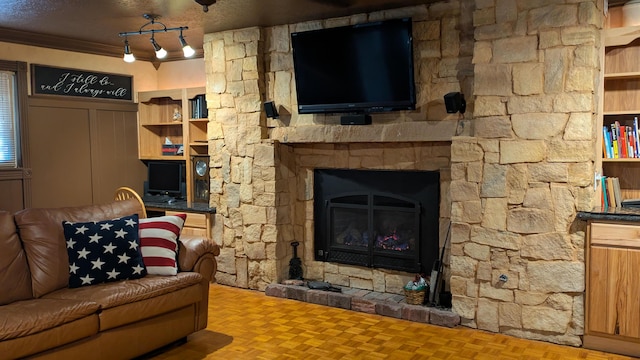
[{"x": 152, "y": 27}]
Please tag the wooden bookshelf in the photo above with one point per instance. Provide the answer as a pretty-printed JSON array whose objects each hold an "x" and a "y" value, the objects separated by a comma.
[
  {"x": 609, "y": 257},
  {"x": 157, "y": 123},
  {"x": 621, "y": 100}
]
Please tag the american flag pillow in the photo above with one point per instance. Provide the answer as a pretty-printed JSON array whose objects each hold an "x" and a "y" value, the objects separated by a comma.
[
  {"x": 159, "y": 243},
  {"x": 103, "y": 251}
]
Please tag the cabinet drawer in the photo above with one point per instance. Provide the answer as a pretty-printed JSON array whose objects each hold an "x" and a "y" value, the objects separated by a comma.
[
  {"x": 604, "y": 234},
  {"x": 194, "y": 220},
  {"x": 194, "y": 231}
]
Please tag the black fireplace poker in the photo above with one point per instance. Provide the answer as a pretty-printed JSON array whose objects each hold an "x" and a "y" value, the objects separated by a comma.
[{"x": 295, "y": 264}]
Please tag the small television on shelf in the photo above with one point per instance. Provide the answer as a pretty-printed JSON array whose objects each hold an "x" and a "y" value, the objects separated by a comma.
[
  {"x": 356, "y": 69},
  {"x": 165, "y": 178}
]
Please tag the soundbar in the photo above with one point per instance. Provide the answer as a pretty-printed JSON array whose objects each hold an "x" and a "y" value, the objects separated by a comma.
[{"x": 357, "y": 119}]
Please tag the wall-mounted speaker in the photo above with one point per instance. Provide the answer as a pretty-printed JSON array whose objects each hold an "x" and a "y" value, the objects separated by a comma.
[
  {"x": 201, "y": 180},
  {"x": 454, "y": 102},
  {"x": 271, "y": 110}
]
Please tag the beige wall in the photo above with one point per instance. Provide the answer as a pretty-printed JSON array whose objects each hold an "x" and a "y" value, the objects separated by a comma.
[
  {"x": 175, "y": 74},
  {"x": 181, "y": 74}
]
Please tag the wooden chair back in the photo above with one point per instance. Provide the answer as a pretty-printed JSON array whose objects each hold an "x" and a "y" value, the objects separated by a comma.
[{"x": 124, "y": 193}]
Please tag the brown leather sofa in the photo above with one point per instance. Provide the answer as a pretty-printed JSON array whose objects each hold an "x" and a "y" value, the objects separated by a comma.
[{"x": 41, "y": 317}]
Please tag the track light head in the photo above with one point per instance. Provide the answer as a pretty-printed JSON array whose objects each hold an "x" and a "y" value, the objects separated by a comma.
[
  {"x": 160, "y": 52},
  {"x": 128, "y": 55},
  {"x": 186, "y": 49}
]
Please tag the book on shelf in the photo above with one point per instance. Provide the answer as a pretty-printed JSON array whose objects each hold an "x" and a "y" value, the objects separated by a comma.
[
  {"x": 635, "y": 203},
  {"x": 611, "y": 194},
  {"x": 621, "y": 141},
  {"x": 617, "y": 192},
  {"x": 198, "y": 107}
]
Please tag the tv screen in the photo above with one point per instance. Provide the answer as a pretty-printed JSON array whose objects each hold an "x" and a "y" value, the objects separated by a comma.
[
  {"x": 164, "y": 177},
  {"x": 355, "y": 69}
]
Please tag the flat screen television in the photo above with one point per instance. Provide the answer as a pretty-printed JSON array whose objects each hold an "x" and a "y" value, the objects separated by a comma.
[
  {"x": 355, "y": 69},
  {"x": 165, "y": 178}
]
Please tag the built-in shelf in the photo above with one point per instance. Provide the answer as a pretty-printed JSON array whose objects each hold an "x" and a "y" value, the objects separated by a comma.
[
  {"x": 157, "y": 114},
  {"x": 605, "y": 281},
  {"x": 622, "y": 112},
  {"x": 177, "y": 123},
  {"x": 621, "y": 36},
  {"x": 623, "y": 75},
  {"x": 621, "y": 160}
]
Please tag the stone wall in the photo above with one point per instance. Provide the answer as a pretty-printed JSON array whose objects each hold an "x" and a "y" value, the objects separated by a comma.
[
  {"x": 442, "y": 43},
  {"x": 261, "y": 178},
  {"x": 518, "y": 183},
  {"x": 517, "y": 167}
]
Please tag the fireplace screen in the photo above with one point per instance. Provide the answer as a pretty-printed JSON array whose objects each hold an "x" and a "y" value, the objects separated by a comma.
[
  {"x": 374, "y": 230},
  {"x": 377, "y": 218}
]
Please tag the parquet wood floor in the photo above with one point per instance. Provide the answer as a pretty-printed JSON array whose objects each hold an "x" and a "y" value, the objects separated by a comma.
[{"x": 247, "y": 324}]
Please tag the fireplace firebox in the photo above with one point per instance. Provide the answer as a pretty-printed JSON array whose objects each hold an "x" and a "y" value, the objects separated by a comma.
[{"x": 379, "y": 219}]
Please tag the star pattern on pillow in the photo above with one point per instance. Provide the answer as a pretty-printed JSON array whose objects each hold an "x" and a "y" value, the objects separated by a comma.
[{"x": 103, "y": 251}]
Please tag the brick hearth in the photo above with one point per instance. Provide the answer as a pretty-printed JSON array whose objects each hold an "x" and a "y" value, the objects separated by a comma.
[{"x": 371, "y": 302}]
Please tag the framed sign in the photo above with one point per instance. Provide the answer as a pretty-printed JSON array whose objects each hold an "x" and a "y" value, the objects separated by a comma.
[{"x": 51, "y": 80}]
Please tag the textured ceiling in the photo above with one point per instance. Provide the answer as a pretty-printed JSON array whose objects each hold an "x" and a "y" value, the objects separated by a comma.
[{"x": 93, "y": 25}]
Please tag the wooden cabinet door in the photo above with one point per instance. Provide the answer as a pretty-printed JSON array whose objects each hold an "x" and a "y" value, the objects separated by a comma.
[
  {"x": 614, "y": 281},
  {"x": 614, "y": 291},
  {"x": 59, "y": 149},
  {"x": 80, "y": 152},
  {"x": 114, "y": 152}
]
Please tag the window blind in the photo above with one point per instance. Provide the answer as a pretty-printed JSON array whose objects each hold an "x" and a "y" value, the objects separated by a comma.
[{"x": 8, "y": 119}]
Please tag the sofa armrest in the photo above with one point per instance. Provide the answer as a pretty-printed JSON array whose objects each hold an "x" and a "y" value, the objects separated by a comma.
[{"x": 197, "y": 253}]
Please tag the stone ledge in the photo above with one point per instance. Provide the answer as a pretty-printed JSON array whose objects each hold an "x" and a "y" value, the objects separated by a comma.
[
  {"x": 416, "y": 131},
  {"x": 390, "y": 305}
]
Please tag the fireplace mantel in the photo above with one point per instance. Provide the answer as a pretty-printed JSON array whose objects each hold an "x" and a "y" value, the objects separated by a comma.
[{"x": 416, "y": 131}]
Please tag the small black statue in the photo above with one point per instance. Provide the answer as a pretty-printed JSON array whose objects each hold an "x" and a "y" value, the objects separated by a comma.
[{"x": 295, "y": 264}]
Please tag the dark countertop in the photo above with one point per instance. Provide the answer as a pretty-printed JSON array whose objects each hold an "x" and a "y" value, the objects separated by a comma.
[
  {"x": 611, "y": 214},
  {"x": 180, "y": 205}
]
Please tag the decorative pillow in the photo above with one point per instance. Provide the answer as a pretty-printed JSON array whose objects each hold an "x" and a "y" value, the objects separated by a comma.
[
  {"x": 103, "y": 251},
  {"x": 159, "y": 243}
]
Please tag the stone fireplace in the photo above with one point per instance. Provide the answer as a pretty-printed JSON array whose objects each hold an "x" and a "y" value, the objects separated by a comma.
[
  {"x": 262, "y": 170},
  {"x": 350, "y": 267},
  {"x": 514, "y": 170}
]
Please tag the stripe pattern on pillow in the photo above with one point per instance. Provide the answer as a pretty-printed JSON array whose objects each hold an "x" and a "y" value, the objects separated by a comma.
[{"x": 159, "y": 243}]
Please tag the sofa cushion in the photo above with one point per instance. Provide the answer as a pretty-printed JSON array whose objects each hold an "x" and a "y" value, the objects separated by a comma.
[
  {"x": 127, "y": 301},
  {"x": 65, "y": 335},
  {"x": 15, "y": 279},
  {"x": 159, "y": 243},
  {"x": 27, "y": 317},
  {"x": 150, "y": 308},
  {"x": 102, "y": 251},
  {"x": 113, "y": 294},
  {"x": 44, "y": 244}
]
